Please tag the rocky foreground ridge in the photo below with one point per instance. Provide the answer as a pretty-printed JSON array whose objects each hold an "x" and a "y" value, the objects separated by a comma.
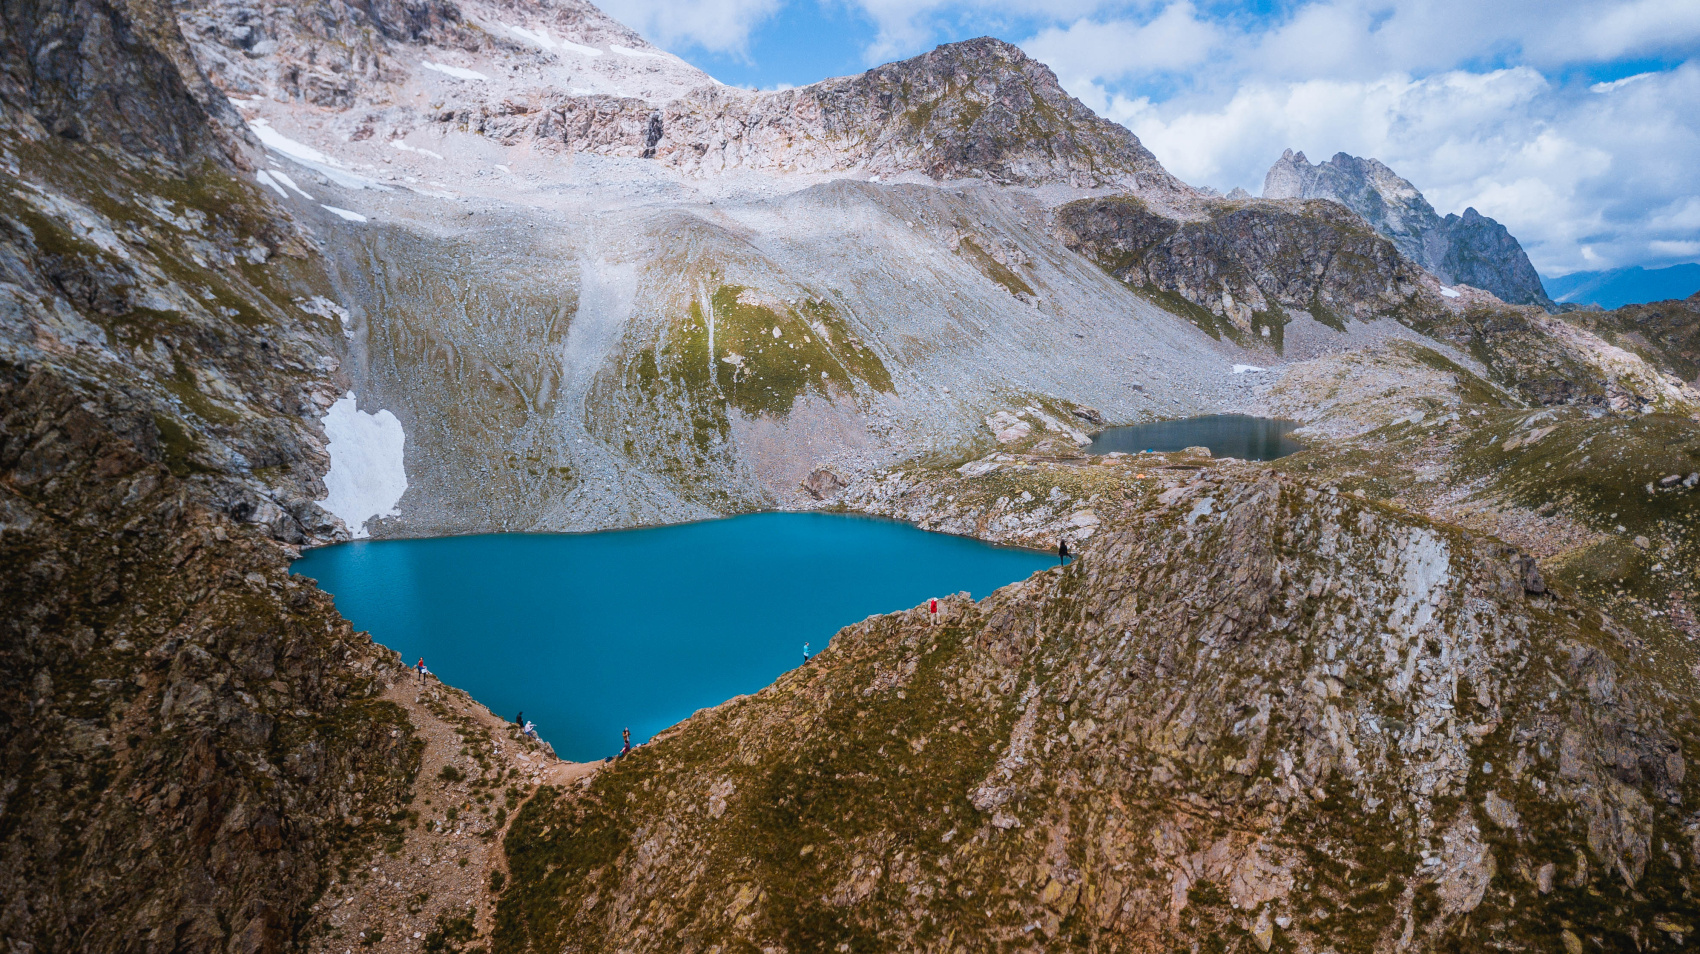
[{"x": 1254, "y": 712}]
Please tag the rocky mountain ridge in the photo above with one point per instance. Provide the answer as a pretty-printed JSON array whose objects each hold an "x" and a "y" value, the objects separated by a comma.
[
  {"x": 565, "y": 78},
  {"x": 191, "y": 740},
  {"x": 1618, "y": 287},
  {"x": 1469, "y": 249},
  {"x": 976, "y": 109}
]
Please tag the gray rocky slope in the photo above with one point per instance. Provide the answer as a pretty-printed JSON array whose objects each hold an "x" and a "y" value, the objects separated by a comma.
[
  {"x": 596, "y": 289},
  {"x": 1469, "y": 249},
  {"x": 540, "y": 274}
]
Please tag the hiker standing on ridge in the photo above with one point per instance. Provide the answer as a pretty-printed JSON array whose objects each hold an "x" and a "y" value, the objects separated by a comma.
[
  {"x": 520, "y": 719},
  {"x": 933, "y": 611},
  {"x": 420, "y": 666},
  {"x": 626, "y": 734},
  {"x": 805, "y": 652},
  {"x": 1062, "y": 552}
]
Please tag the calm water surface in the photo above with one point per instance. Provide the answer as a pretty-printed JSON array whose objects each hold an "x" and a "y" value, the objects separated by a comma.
[
  {"x": 592, "y": 632},
  {"x": 1227, "y": 435}
]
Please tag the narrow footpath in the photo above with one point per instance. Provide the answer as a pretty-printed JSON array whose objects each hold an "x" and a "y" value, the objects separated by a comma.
[{"x": 430, "y": 884}]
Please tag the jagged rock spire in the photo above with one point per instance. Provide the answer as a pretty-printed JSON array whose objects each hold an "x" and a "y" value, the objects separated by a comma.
[{"x": 1471, "y": 249}]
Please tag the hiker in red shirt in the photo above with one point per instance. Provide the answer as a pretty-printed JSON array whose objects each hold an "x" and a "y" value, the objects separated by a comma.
[{"x": 933, "y": 611}]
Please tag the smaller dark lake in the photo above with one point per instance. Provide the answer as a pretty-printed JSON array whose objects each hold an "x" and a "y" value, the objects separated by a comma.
[
  {"x": 1227, "y": 435},
  {"x": 590, "y": 633}
]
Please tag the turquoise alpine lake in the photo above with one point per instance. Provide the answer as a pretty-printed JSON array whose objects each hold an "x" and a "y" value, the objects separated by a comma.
[
  {"x": 1227, "y": 435},
  {"x": 590, "y": 633}
]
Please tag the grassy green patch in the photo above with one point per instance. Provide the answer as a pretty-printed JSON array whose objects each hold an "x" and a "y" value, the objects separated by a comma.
[
  {"x": 994, "y": 269},
  {"x": 799, "y": 816},
  {"x": 179, "y": 448}
]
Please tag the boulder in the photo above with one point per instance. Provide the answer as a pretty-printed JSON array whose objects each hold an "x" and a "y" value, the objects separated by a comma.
[
  {"x": 1008, "y": 427},
  {"x": 823, "y": 483}
]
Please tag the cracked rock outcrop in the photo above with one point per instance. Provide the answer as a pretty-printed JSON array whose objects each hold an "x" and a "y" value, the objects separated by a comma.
[{"x": 1243, "y": 266}]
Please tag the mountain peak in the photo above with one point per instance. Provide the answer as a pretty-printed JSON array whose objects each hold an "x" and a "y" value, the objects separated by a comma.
[
  {"x": 982, "y": 107},
  {"x": 1469, "y": 249}
]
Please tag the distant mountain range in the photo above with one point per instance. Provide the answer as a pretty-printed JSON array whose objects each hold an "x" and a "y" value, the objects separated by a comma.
[
  {"x": 1626, "y": 286},
  {"x": 1469, "y": 249}
]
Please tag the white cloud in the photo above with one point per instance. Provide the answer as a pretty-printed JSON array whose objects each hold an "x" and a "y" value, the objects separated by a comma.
[
  {"x": 1604, "y": 31},
  {"x": 1362, "y": 38},
  {"x": 1358, "y": 38},
  {"x": 723, "y": 26},
  {"x": 1675, "y": 249},
  {"x": 1619, "y": 84},
  {"x": 1101, "y": 51},
  {"x": 1683, "y": 214},
  {"x": 909, "y": 26}
]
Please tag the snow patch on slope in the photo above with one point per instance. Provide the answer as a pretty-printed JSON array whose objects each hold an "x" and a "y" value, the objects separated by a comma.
[
  {"x": 278, "y": 142},
  {"x": 580, "y": 48},
  {"x": 279, "y": 176},
  {"x": 404, "y": 147},
  {"x": 367, "y": 478},
  {"x": 457, "y": 72},
  {"x": 542, "y": 38},
  {"x": 266, "y": 180}
]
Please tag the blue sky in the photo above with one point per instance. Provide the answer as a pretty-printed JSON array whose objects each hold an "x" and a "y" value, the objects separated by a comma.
[{"x": 1574, "y": 122}]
